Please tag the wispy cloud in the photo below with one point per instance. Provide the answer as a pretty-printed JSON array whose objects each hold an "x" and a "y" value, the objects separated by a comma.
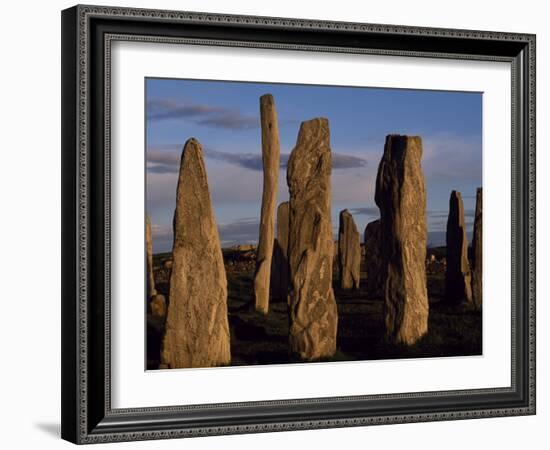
[
  {"x": 444, "y": 214},
  {"x": 241, "y": 231},
  {"x": 161, "y": 230},
  {"x": 366, "y": 211},
  {"x": 238, "y": 232},
  {"x": 450, "y": 157},
  {"x": 166, "y": 161},
  {"x": 201, "y": 114}
]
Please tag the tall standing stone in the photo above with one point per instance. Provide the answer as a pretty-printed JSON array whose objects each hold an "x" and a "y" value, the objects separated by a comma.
[
  {"x": 477, "y": 250},
  {"x": 271, "y": 161},
  {"x": 279, "y": 269},
  {"x": 349, "y": 252},
  {"x": 197, "y": 329},
  {"x": 312, "y": 306},
  {"x": 373, "y": 259},
  {"x": 401, "y": 197},
  {"x": 151, "y": 291},
  {"x": 457, "y": 276}
]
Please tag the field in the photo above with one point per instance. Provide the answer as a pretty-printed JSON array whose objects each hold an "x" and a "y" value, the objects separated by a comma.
[{"x": 258, "y": 339}]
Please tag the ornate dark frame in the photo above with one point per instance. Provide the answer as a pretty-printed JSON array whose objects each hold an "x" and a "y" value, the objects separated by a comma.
[{"x": 87, "y": 416}]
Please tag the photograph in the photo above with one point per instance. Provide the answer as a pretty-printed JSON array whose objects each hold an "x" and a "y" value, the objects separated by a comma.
[
  {"x": 274, "y": 222},
  {"x": 294, "y": 223}
]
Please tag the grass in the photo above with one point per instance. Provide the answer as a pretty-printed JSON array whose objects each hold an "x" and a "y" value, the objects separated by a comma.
[{"x": 259, "y": 339}]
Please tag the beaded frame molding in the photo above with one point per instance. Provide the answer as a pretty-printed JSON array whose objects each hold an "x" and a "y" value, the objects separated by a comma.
[{"x": 87, "y": 34}]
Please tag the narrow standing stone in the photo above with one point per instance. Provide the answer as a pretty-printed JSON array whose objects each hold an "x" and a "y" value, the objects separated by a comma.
[
  {"x": 477, "y": 250},
  {"x": 349, "y": 252},
  {"x": 457, "y": 276},
  {"x": 401, "y": 197},
  {"x": 313, "y": 313},
  {"x": 271, "y": 161},
  {"x": 279, "y": 269},
  {"x": 197, "y": 329},
  {"x": 151, "y": 291},
  {"x": 373, "y": 260}
]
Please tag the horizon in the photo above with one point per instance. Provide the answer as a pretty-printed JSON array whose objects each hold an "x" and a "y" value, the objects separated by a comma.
[{"x": 224, "y": 117}]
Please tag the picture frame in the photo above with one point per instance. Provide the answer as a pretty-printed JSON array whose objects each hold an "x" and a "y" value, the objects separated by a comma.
[{"x": 87, "y": 412}]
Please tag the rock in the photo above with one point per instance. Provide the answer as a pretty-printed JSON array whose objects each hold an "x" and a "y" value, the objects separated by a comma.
[
  {"x": 457, "y": 275},
  {"x": 244, "y": 247},
  {"x": 158, "y": 306},
  {"x": 279, "y": 270},
  {"x": 271, "y": 161},
  {"x": 197, "y": 329},
  {"x": 477, "y": 251},
  {"x": 349, "y": 252},
  {"x": 312, "y": 306},
  {"x": 373, "y": 260},
  {"x": 149, "y": 257},
  {"x": 401, "y": 197}
]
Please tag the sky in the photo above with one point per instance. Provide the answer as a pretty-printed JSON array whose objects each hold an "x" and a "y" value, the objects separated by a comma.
[{"x": 224, "y": 118}]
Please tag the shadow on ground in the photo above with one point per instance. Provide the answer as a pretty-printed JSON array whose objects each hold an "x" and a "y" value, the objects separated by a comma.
[{"x": 259, "y": 339}]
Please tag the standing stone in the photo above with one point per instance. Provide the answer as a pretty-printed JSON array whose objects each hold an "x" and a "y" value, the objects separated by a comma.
[
  {"x": 312, "y": 306},
  {"x": 151, "y": 291},
  {"x": 373, "y": 260},
  {"x": 349, "y": 252},
  {"x": 457, "y": 276},
  {"x": 271, "y": 161},
  {"x": 401, "y": 197},
  {"x": 158, "y": 306},
  {"x": 279, "y": 269},
  {"x": 477, "y": 250},
  {"x": 197, "y": 329}
]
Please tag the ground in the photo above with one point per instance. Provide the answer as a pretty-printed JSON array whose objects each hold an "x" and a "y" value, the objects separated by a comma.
[{"x": 258, "y": 339}]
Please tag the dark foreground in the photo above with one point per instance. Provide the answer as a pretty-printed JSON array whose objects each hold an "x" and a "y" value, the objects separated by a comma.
[{"x": 258, "y": 339}]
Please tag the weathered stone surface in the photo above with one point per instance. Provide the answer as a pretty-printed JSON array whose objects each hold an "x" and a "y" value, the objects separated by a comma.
[
  {"x": 149, "y": 257},
  {"x": 197, "y": 330},
  {"x": 373, "y": 259},
  {"x": 349, "y": 252},
  {"x": 401, "y": 197},
  {"x": 477, "y": 250},
  {"x": 158, "y": 306},
  {"x": 457, "y": 275},
  {"x": 312, "y": 306},
  {"x": 279, "y": 269},
  {"x": 271, "y": 161},
  {"x": 244, "y": 247}
]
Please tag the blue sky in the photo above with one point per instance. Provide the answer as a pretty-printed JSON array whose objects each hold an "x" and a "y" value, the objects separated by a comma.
[{"x": 224, "y": 117}]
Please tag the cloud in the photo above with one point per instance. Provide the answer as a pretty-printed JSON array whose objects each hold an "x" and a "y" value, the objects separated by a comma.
[
  {"x": 468, "y": 213},
  {"x": 200, "y": 114},
  {"x": 449, "y": 157},
  {"x": 161, "y": 235},
  {"x": 161, "y": 230},
  {"x": 437, "y": 219},
  {"x": 166, "y": 161},
  {"x": 241, "y": 231},
  {"x": 366, "y": 211},
  {"x": 252, "y": 161},
  {"x": 229, "y": 185}
]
